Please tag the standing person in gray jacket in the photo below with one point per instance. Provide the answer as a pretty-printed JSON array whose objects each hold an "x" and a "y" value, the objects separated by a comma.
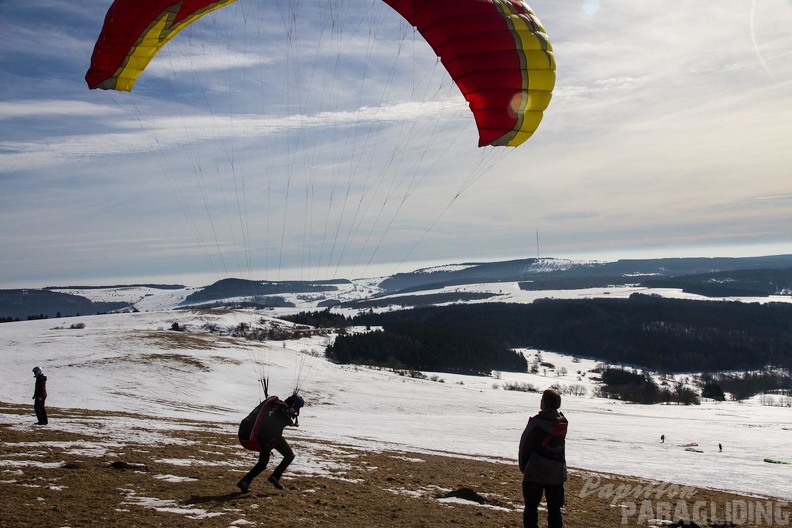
[{"x": 543, "y": 462}]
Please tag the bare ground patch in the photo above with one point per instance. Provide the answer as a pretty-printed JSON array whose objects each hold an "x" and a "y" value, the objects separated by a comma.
[
  {"x": 168, "y": 340},
  {"x": 91, "y": 468}
]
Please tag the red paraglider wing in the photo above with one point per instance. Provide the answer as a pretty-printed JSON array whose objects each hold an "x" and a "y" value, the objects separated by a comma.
[
  {"x": 498, "y": 54},
  {"x": 133, "y": 33},
  {"x": 496, "y": 51}
]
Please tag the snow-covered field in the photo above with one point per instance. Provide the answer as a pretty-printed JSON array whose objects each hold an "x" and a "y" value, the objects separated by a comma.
[
  {"x": 511, "y": 292},
  {"x": 134, "y": 362}
]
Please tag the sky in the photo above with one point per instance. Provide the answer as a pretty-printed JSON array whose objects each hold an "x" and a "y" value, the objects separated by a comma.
[
  {"x": 124, "y": 362},
  {"x": 296, "y": 140}
]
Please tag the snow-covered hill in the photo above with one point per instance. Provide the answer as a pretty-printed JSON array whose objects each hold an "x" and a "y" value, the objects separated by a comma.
[
  {"x": 749, "y": 279},
  {"x": 148, "y": 299},
  {"x": 134, "y": 362}
]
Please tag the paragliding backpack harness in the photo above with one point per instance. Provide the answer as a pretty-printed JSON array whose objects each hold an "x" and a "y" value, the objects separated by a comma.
[
  {"x": 249, "y": 427},
  {"x": 552, "y": 445}
]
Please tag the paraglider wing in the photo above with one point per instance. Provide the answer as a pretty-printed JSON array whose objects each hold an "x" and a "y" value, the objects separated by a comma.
[
  {"x": 496, "y": 51},
  {"x": 498, "y": 54},
  {"x": 133, "y": 32}
]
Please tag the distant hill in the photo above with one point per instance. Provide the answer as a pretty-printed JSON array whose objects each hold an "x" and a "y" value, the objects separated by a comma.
[
  {"x": 24, "y": 304},
  {"x": 713, "y": 277},
  {"x": 554, "y": 274},
  {"x": 234, "y": 288},
  {"x": 116, "y": 286},
  {"x": 471, "y": 273}
]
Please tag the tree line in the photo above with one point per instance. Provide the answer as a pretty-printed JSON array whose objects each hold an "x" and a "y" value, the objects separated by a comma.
[
  {"x": 640, "y": 387},
  {"x": 665, "y": 335},
  {"x": 745, "y": 385},
  {"x": 437, "y": 347}
]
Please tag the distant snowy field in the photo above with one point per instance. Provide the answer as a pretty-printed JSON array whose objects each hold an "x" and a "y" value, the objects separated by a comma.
[{"x": 133, "y": 362}]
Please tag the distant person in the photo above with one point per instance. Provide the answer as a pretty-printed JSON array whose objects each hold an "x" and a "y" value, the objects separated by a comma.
[
  {"x": 271, "y": 417},
  {"x": 40, "y": 396},
  {"x": 662, "y": 439},
  {"x": 720, "y": 447},
  {"x": 542, "y": 462}
]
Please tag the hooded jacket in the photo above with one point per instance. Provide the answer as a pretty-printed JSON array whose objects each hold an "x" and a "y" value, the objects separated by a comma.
[
  {"x": 542, "y": 445},
  {"x": 41, "y": 386}
]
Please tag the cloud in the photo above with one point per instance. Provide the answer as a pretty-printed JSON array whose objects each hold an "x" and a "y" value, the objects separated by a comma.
[
  {"x": 207, "y": 58},
  {"x": 54, "y": 108},
  {"x": 591, "y": 7},
  {"x": 155, "y": 134}
]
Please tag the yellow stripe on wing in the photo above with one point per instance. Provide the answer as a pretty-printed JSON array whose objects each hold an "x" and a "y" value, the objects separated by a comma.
[
  {"x": 159, "y": 33},
  {"x": 537, "y": 65}
]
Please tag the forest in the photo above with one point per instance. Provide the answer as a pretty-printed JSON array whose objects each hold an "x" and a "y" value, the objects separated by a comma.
[
  {"x": 665, "y": 335},
  {"x": 437, "y": 347}
]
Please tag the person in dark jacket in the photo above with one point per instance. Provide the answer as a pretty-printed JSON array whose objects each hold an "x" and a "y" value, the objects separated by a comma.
[
  {"x": 40, "y": 396},
  {"x": 543, "y": 462},
  {"x": 280, "y": 415}
]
